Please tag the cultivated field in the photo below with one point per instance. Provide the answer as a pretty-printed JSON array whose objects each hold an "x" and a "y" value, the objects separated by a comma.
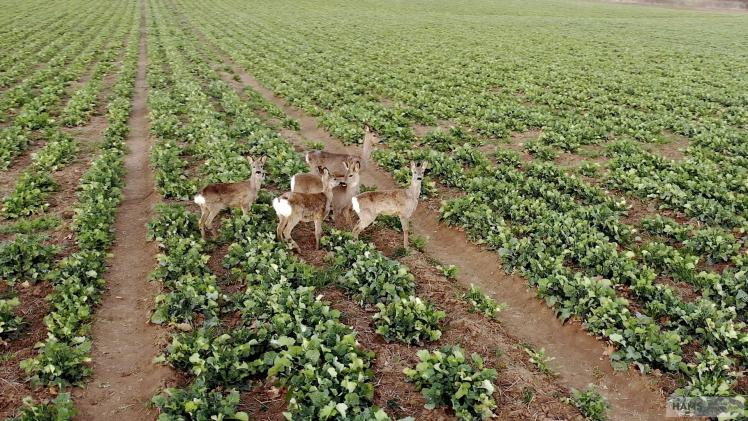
[{"x": 578, "y": 249}]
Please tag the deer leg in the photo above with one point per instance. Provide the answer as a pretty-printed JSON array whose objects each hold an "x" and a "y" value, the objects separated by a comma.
[
  {"x": 348, "y": 219},
  {"x": 201, "y": 222},
  {"x": 245, "y": 208},
  {"x": 404, "y": 222},
  {"x": 290, "y": 225},
  {"x": 279, "y": 229},
  {"x": 363, "y": 222},
  {"x": 317, "y": 232},
  {"x": 212, "y": 213}
]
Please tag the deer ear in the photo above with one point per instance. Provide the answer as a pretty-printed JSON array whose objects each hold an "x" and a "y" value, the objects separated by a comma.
[
  {"x": 412, "y": 165},
  {"x": 424, "y": 165},
  {"x": 325, "y": 171},
  {"x": 357, "y": 166},
  {"x": 250, "y": 160},
  {"x": 263, "y": 159},
  {"x": 367, "y": 128},
  {"x": 320, "y": 169},
  {"x": 346, "y": 164}
]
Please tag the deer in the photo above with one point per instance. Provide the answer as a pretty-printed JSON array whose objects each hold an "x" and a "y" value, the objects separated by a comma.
[
  {"x": 399, "y": 202},
  {"x": 213, "y": 198},
  {"x": 334, "y": 161},
  {"x": 341, "y": 195},
  {"x": 348, "y": 188},
  {"x": 293, "y": 207}
]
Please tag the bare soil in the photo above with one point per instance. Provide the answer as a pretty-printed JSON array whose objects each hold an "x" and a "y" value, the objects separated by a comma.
[{"x": 124, "y": 343}]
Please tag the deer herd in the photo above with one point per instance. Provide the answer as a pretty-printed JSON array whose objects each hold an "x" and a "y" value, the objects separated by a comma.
[{"x": 332, "y": 186}]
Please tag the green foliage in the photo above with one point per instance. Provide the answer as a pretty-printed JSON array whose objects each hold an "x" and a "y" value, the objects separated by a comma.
[
  {"x": 198, "y": 402},
  {"x": 9, "y": 321},
  {"x": 409, "y": 320},
  {"x": 448, "y": 271},
  {"x": 30, "y": 226},
  {"x": 59, "y": 364},
  {"x": 25, "y": 258},
  {"x": 59, "y": 409},
  {"x": 370, "y": 276},
  {"x": 589, "y": 169},
  {"x": 590, "y": 403},
  {"x": 540, "y": 360},
  {"x": 715, "y": 244},
  {"x": 482, "y": 303},
  {"x": 446, "y": 377}
]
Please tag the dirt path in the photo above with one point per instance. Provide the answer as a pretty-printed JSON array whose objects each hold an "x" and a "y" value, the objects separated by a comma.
[
  {"x": 580, "y": 359},
  {"x": 124, "y": 343}
]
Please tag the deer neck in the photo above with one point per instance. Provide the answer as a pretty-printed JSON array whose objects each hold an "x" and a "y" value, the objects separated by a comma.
[
  {"x": 328, "y": 198},
  {"x": 366, "y": 151},
  {"x": 415, "y": 189}
]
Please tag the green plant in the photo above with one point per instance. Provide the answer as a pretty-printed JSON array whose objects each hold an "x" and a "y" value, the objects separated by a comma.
[
  {"x": 445, "y": 377},
  {"x": 59, "y": 409},
  {"x": 409, "y": 320},
  {"x": 418, "y": 242},
  {"x": 448, "y": 271},
  {"x": 590, "y": 403},
  {"x": 9, "y": 321},
  {"x": 315, "y": 145},
  {"x": 59, "y": 364},
  {"x": 198, "y": 402},
  {"x": 482, "y": 303},
  {"x": 26, "y": 258},
  {"x": 30, "y": 226},
  {"x": 540, "y": 360},
  {"x": 589, "y": 169}
]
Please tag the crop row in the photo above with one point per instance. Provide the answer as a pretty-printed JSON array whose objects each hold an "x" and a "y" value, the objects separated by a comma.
[
  {"x": 207, "y": 135},
  {"x": 78, "y": 279},
  {"x": 36, "y": 97},
  {"x": 34, "y": 41}
]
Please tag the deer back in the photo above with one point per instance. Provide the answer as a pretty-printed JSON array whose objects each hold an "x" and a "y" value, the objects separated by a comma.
[
  {"x": 307, "y": 206},
  {"x": 306, "y": 183},
  {"x": 386, "y": 202},
  {"x": 230, "y": 194}
]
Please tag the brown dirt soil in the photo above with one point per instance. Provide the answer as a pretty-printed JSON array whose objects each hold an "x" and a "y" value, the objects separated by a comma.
[
  {"x": 673, "y": 149},
  {"x": 422, "y": 129},
  {"x": 580, "y": 358},
  {"x": 20, "y": 163},
  {"x": 19, "y": 347},
  {"x": 124, "y": 343}
]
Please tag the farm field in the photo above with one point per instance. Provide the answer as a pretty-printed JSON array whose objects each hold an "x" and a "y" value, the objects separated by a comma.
[{"x": 578, "y": 250}]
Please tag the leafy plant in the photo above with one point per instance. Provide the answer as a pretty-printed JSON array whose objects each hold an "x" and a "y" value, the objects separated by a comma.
[
  {"x": 445, "y": 377},
  {"x": 9, "y": 321},
  {"x": 198, "y": 402},
  {"x": 590, "y": 403},
  {"x": 59, "y": 409},
  {"x": 26, "y": 258},
  {"x": 409, "y": 320},
  {"x": 540, "y": 360},
  {"x": 482, "y": 303}
]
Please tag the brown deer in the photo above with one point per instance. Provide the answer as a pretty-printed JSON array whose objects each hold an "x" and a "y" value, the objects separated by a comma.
[
  {"x": 309, "y": 182},
  {"x": 292, "y": 208},
  {"x": 215, "y": 197},
  {"x": 400, "y": 202},
  {"x": 348, "y": 188},
  {"x": 334, "y": 161}
]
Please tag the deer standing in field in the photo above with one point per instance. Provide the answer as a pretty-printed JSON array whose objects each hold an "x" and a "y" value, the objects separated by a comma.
[
  {"x": 294, "y": 207},
  {"x": 213, "y": 198},
  {"x": 401, "y": 203},
  {"x": 334, "y": 161},
  {"x": 341, "y": 194},
  {"x": 348, "y": 188}
]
